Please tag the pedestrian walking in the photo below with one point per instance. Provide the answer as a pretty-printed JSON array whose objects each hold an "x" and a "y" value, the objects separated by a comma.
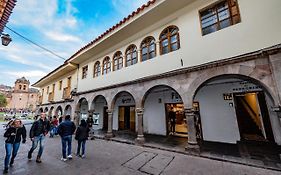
[
  {"x": 66, "y": 130},
  {"x": 38, "y": 131},
  {"x": 14, "y": 133},
  {"x": 54, "y": 125},
  {"x": 172, "y": 118},
  {"x": 81, "y": 135}
]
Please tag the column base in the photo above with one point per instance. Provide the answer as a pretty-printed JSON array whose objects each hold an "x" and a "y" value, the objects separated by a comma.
[
  {"x": 192, "y": 148},
  {"x": 108, "y": 135},
  {"x": 140, "y": 140}
]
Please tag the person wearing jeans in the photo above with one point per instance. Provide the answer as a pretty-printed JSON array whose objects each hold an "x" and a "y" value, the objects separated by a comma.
[
  {"x": 13, "y": 134},
  {"x": 81, "y": 135},
  {"x": 65, "y": 130},
  {"x": 38, "y": 131}
]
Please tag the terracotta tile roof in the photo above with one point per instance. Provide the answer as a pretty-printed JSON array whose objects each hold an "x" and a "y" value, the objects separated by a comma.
[
  {"x": 120, "y": 23},
  {"x": 6, "y": 7}
]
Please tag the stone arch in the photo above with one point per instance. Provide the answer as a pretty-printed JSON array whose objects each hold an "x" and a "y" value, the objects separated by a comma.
[
  {"x": 113, "y": 100},
  {"x": 40, "y": 110},
  {"x": 67, "y": 110},
  {"x": 59, "y": 111},
  {"x": 50, "y": 113},
  {"x": 259, "y": 77},
  {"x": 46, "y": 109},
  {"x": 98, "y": 110},
  {"x": 81, "y": 109}
]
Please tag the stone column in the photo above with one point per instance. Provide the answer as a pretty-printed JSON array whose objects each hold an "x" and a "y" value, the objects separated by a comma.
[
  {"x": 140, "y": 138},
  {"x": 109, "y": 133},
  {"x": 76, "y": 117},
  {"x": 192, "y": 144},
  {"x": 157, "y": 48}
]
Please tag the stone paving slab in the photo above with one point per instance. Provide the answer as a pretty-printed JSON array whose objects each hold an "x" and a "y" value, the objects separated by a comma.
[
  {"x": 137, "y": 162},
  {"x": 157, "y": 164}
]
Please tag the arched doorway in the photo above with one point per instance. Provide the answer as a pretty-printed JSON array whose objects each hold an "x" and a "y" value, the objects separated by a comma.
[
  {"x": 164, "y": 112},
  {"x": 124, "y": 112},
  {"x": 58, "y": 112},
  {"x": 51, "y": 113},
  {"x": 100, "y": 116},
  {"x": 83, "y": 109},
  {"x": 234, "y": 108},
  {"x": 40, "y": 110},
  {"x": 46, "y": 110},
  {"x": 67, "y": 110}
]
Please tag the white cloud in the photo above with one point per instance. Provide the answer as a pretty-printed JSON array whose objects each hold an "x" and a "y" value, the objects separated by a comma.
[
  {"x": 27, "y": 74},
  {"x": 62, "y": 37}
]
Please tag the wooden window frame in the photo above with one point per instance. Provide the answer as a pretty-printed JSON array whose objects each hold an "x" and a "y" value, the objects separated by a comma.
[
  {"x": 130, "y": 51},
  {"x": 232, "y": 5},
  {"x": 146, "y": 43},
  {"x": 119, "y": 58},
  {"x": 84, "y": 72},
  {"x": 166, "y": 32},
  {"x": 97, "y": 69},
  {"x": 106, "y": 68}
]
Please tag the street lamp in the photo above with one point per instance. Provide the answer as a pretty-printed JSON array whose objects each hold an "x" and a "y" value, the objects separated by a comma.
[{"x": 6, "y": 39}]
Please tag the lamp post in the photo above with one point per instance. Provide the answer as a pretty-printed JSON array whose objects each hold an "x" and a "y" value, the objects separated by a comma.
[{"x": 6, "y": 39}]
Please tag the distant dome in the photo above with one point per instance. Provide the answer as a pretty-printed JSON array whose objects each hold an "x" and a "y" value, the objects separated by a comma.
[{"x": 22, "y": 80}]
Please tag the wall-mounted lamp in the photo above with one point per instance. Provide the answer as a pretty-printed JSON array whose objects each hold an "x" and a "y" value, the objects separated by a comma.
[{"x": 6, "y": 39}]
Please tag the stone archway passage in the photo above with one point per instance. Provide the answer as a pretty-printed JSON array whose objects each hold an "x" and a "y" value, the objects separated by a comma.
[
  {"x": 233, "y": 108},
  {"x": 82, "y": 110},
  {"x": 99, "y": 111},
  {"x": 164, "y": 112},
  {"x": 68, "y": 110}
]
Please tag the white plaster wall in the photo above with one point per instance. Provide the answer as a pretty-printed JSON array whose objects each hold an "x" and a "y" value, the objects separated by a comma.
[
  {"x": 116, "y": 109},
  {"x": 219, "y": 122},
  {"x": 253, "y": 33},
  {"x": 154, "y": 117},
  {"x": 99, "y": 106}
]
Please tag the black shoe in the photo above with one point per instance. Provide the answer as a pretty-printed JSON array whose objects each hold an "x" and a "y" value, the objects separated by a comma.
[
  {"x": 5, "y": 171},
  {"x": 29, "y": 156}
]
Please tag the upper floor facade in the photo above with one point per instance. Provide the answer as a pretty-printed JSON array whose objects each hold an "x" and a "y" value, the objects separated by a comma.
[{"x": 165, "y": 36}]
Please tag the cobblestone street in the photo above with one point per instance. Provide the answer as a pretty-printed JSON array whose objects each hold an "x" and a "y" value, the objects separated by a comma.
[{"x": 108, "y": 157}]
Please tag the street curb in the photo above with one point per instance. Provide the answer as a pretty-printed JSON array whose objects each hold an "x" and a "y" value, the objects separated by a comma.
[{"x": 187, "y": 153}]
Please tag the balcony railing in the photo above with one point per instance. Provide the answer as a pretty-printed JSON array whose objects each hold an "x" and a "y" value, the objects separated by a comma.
[
  {"x": 51, "y": 97},
  {"x": 66, "y": 93}
]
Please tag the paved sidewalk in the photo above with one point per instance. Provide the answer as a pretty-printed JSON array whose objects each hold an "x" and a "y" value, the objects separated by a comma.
[{"x": 108, "y": 157}]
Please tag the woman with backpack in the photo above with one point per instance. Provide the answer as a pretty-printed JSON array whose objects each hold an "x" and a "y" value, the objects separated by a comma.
[
  {"x": 81, "y": 135},
  {"x": 14, "y": 133}
]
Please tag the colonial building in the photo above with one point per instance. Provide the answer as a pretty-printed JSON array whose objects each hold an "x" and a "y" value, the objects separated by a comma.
[
  {"x": 22, "y": 97},
  {"x": 214, "y": 63}
]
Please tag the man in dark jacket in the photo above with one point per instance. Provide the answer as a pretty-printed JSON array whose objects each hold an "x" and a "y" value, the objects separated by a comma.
[
  {"x": 15, "y": 131},
  {"x": 38, "y": 131},
  {"x": 66, "y": 130}
]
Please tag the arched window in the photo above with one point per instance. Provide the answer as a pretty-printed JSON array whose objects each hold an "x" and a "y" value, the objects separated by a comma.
[
  {"x": 24, "y": 87},
  {"x": 20, "y": 86},
  {"x": 97, "y": 70},
  {"x": 131, "y": 55},
  {"x": 117, "y": 61},
  {"x": 106, "y": 65},
  {"x": 169, "y": 40},
  {"x": 148, "y": 48}
]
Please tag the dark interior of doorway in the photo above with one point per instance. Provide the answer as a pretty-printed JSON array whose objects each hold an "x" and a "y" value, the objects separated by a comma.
[
  {"x": 126, "y": 117},
  {"x": 180, "y": 122},
  {"x": 252, "y": 116}
]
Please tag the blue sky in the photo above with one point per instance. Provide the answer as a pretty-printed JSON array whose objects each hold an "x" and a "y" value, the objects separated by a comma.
[{"x": 63, "y": 26}]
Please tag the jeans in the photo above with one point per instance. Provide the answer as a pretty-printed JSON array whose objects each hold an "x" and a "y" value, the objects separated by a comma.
[
  {"x": 66, "y": 140},
  {"x": 37, "y": 139},
  {"x": 83, "y": 143},
  {"x": 9, "y": 147}
]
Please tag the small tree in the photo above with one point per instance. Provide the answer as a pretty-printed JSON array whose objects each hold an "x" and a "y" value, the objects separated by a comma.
[{"x": 3, "y": 101}]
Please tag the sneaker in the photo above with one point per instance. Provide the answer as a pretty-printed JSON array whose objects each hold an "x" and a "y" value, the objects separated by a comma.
[
  {"x": 5, "y": 171},
  {"x": 63, "y": 159},
  {"x": 83, "y": 156},
  {"x": 69, "y": 156},
  {"x": 38, "y": 160}
]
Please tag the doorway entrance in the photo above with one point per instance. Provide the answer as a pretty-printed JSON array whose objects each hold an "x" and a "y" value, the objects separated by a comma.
[
  {"x": 252, "y": 116},
  {"x": 176, "y": 120},
  {"x": 126, "y": 118},
  {"x": 105, "y": 118}
]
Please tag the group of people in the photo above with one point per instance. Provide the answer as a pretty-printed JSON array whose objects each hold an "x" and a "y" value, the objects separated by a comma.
[{"x": 16, "y": 133}]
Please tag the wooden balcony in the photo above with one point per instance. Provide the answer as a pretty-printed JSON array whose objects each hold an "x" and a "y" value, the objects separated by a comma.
[
  {"x": 51, "y": 97},
  {"x": 66, "y": 93}
]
